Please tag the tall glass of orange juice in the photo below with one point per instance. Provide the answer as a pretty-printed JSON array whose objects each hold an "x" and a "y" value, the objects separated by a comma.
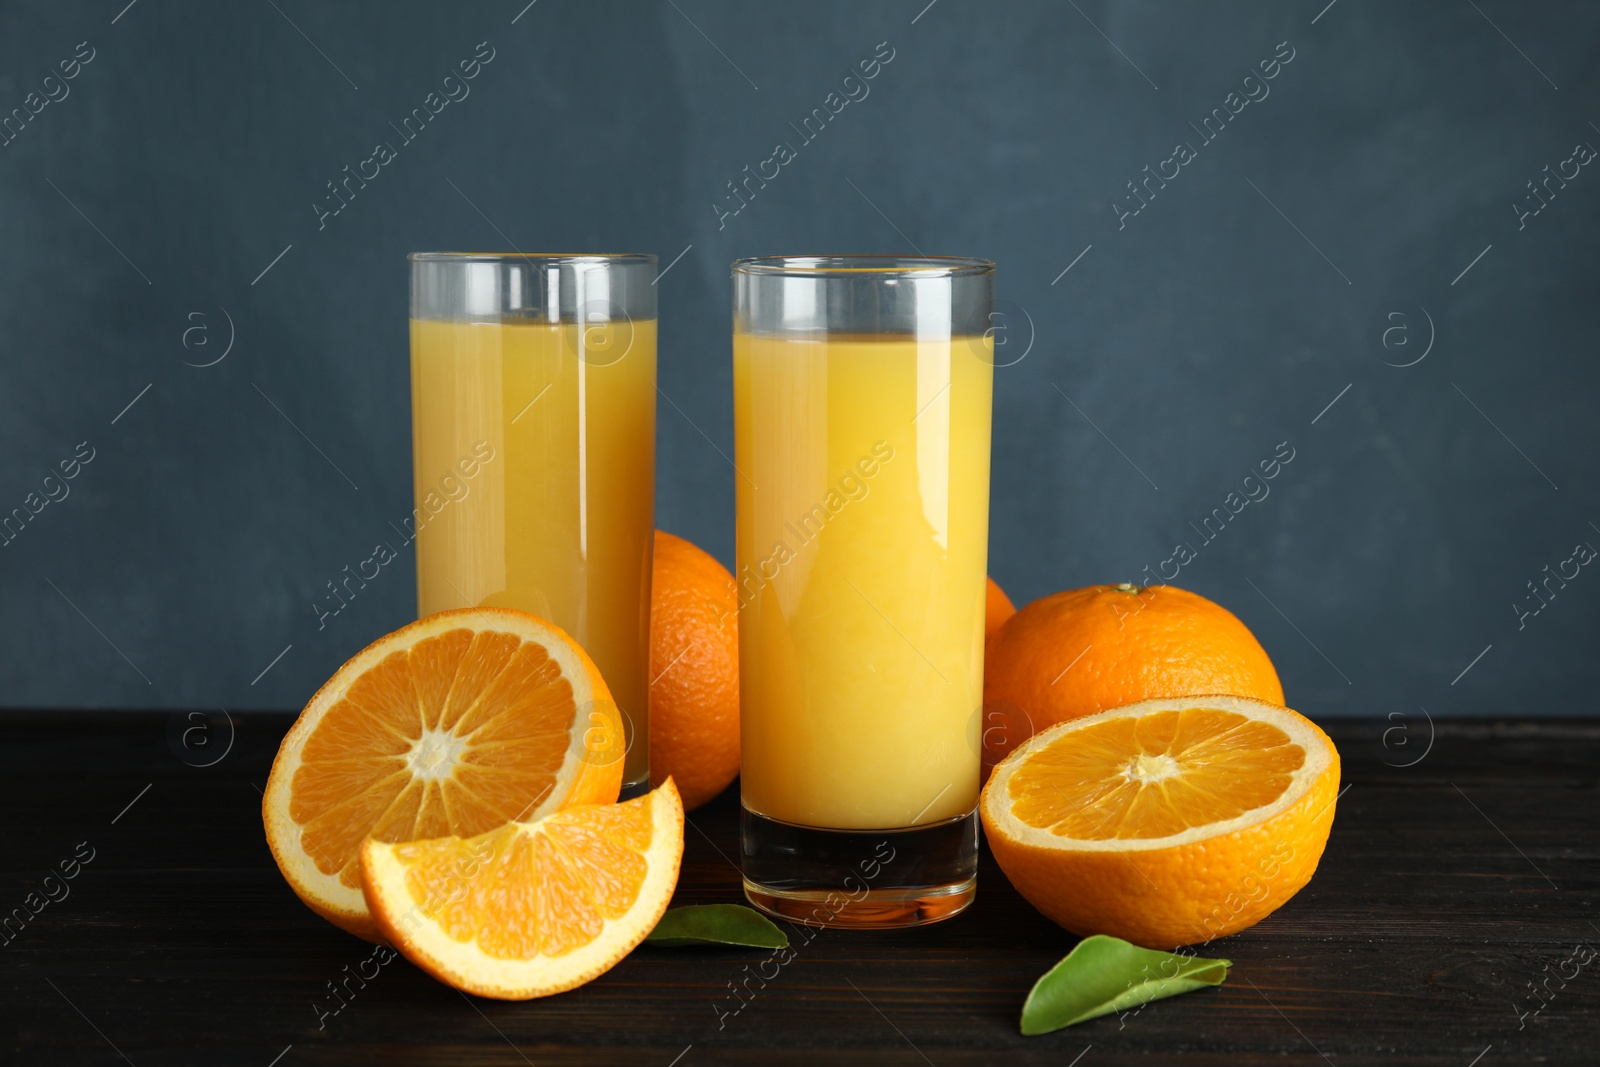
[
  {"x": 533, "y": 386},
  {"x": 862, "y": 395}
]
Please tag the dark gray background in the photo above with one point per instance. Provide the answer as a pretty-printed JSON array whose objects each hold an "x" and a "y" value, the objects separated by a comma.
[{"x": 1252, "y": 292}]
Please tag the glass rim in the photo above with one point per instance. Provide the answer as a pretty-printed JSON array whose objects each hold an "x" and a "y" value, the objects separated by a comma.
[
  {"x": 874, "y": 263},
  {"x": 555, "y": 258}
]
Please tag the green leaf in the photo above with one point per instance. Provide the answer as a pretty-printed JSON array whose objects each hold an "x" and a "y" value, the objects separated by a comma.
[
  {"x": 1106, "y": 974},
  {"x": 716, "y": 924}
]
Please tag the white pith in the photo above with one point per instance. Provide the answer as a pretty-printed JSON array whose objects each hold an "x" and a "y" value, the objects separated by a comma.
[
  {"x": 435, "y": 754},
  {"x": 1148, "y": 768}
]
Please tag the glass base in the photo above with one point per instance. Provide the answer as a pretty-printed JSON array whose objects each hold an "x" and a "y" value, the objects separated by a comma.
[
  {"x": 634, "y": 789},
  {"x": 859, "y": 879}
]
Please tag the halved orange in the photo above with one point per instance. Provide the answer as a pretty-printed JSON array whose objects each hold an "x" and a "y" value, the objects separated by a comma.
[
  {"x": 1166, "y": 822},
  {"x": 456, "y": 724},
  {"x": 532, "y": 908}
]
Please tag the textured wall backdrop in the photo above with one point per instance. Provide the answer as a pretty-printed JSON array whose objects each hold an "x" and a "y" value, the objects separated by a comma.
[{"x": 1355, "y": 238}]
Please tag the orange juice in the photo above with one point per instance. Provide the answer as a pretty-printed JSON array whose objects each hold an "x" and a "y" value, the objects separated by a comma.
[
  {"x": 559, "y": 520},
  {"x": 863, "y": 540}
]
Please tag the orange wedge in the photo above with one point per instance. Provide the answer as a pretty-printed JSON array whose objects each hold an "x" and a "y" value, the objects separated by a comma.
[
  {"x": 1167, "y": 822},
  {"x": 532, "y": 908},
  {"x": 456, "y": 724}
]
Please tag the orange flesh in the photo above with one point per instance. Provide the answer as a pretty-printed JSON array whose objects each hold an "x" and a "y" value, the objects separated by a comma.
[
  {"x": 458, "y": 734},
  {"x": 541, "y": 892},
  {"x": 1154, "y": 776}
]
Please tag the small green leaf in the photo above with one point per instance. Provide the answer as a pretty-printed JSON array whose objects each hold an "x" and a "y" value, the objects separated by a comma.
[
  {"x": 716, "y": 924},
  {"x": 1106, "y": 974}
]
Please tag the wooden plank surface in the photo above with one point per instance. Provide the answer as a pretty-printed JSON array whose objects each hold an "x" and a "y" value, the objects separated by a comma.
[{"x": 1450, "y": 888}]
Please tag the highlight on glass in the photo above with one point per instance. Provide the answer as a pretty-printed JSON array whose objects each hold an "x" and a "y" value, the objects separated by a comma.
[{"x": 862, "y": 403}]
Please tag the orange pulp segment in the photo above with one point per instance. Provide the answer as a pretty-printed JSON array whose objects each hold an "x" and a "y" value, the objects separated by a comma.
[
  {"x": 530, "y": 908},
  {"x": 1155, "y": 775}
]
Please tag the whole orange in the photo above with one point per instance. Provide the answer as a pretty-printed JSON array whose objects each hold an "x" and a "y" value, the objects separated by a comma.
[
  {"x": 1085, "y": 650},
  {"x": 694, "y": 671},
  {"x": 997, "y": 608}
]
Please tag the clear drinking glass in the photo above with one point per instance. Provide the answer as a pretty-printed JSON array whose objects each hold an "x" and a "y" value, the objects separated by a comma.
[
  {"x": 862, "y": 397},
  {"x": 533, "y": 382}
]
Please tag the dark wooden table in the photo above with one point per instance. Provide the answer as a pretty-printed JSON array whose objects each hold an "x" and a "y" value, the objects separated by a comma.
[{"x": 1452, "y": 889}]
